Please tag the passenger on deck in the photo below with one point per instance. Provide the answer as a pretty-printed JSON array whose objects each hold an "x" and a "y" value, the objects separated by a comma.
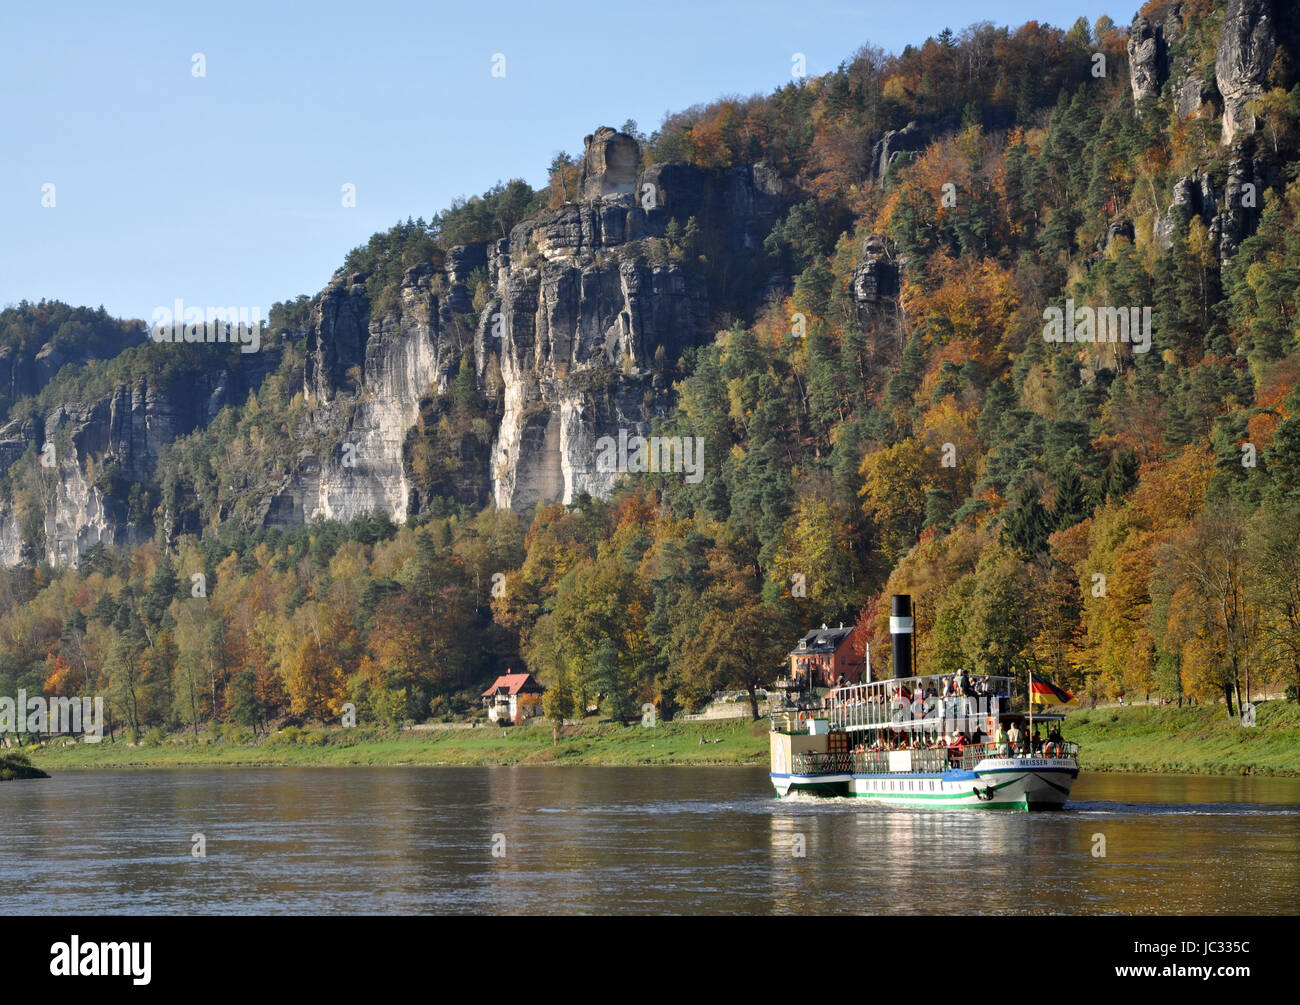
[
  {"x": 1054, "y": 746},
  {"x": 1013, "y": 735},
  {"x": 1036, "y": 742},
  {"x": 1003, "y": 741}
]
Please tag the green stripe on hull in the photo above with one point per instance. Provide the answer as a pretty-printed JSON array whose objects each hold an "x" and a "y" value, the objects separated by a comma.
[
  {"x": 1027, "y": 790},
  {"x": 953, "y": 803}
]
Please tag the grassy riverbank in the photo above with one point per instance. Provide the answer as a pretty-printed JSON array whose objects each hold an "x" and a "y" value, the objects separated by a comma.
[
  {"x": 730, "y": 742},
  {"x": 1201, "y": 740}
]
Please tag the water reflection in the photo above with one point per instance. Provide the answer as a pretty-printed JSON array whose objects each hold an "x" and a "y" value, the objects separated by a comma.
[{"x": 612, "y": 840}]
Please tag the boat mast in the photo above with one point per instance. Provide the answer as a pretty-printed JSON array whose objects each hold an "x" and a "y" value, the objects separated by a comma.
[{"x": 1029, "y": 685}]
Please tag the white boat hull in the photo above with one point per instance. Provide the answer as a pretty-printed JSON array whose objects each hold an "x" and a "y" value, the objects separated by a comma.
[{"x": 1014, "y": 783}]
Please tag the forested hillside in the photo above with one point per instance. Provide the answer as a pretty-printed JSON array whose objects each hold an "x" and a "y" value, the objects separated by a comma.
[{"x": 882, "y": 383}]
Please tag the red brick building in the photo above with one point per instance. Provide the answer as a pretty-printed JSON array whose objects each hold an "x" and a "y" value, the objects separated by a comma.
[{"x": 825, "y": 655}]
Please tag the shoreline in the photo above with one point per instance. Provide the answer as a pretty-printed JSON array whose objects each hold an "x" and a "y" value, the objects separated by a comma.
[{"x": 1136, "y": 740}]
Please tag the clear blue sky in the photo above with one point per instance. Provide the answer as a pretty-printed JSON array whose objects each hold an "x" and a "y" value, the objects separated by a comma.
[{"x": 226, "y": 190}]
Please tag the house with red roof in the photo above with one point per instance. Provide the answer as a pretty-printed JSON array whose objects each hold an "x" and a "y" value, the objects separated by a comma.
[{"x": 513, "y": 698}]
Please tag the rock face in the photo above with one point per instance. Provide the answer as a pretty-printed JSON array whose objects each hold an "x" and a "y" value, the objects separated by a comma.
[
  {"x": 1247, "y": 45},
  {"x": 875, "y": 280},
  {"x": 586, "y": 311},
  {"x": 1230, "y": 213},
  {"x": 896, "y": 141},
  {"x": 576, "y": 356},
  {"x": 24, "y": 372},
  {"x": 368, "y": 376},
  {"x": 1188, "y": 86},
  {"x": 118, "y": 439},
  {"x": 585, "y": 300},
  {"x": 609, "y": 164},
  {"x": 588, "y": 307},
  {"x": 1148, "y": 58}
]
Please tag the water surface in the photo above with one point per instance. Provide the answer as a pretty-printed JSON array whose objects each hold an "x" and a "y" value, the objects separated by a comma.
[{"x": 628, "y": 840}]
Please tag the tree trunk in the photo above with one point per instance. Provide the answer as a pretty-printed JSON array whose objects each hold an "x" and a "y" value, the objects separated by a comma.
[
  {"x": 1227, "y": 697},
  {"x": 753, "y": 701}
]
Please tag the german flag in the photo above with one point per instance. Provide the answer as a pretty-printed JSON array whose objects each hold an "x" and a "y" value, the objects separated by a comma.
[{"x": 1044, "y": 692}]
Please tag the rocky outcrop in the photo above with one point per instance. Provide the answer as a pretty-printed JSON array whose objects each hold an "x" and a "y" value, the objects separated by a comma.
[
  {"x": 100, "y": 448},
  {"x": 609, "y": 165},
  {"x": 875, "y": 280},
  {"x": 585, "y": 299},
  {"x": 576, "y": 355},
  {"x": 888, "y": 148},
  {"x": 26, "y": 370},
  {"x": 1186, "y": 202},
  {"x": 1239, "y": 204},
  {"x": 337, "y": 337},
  {"x": 1187, "y": 86},
  {"x": 1230, "y": 213},
  {"x": 367, "y": 377},
  {"x": 588, "y": 307},
  {"x": 1148, "y": 58},
  {"x": 1247, "y": 45}
]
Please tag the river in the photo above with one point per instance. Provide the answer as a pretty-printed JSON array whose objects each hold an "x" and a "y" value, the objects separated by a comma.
[{"x": 628, "y": 840}]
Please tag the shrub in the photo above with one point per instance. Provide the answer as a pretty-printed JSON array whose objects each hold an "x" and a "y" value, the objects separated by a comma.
[{"x": 232, "y": 732}]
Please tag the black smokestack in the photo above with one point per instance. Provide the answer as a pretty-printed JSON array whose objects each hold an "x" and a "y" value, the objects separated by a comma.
[{"x": 900, "y": 627}]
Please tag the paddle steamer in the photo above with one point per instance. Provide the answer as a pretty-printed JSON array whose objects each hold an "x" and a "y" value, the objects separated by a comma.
[{"x": 892, "y": 741}]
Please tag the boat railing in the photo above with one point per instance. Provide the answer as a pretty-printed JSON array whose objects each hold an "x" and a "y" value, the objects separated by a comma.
[
  {"x": 973, "y": 753},
  {"x": 822, "y": 764},
  {"x": 927, "y": 760},
  {"x": 920, "y": 700}
]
